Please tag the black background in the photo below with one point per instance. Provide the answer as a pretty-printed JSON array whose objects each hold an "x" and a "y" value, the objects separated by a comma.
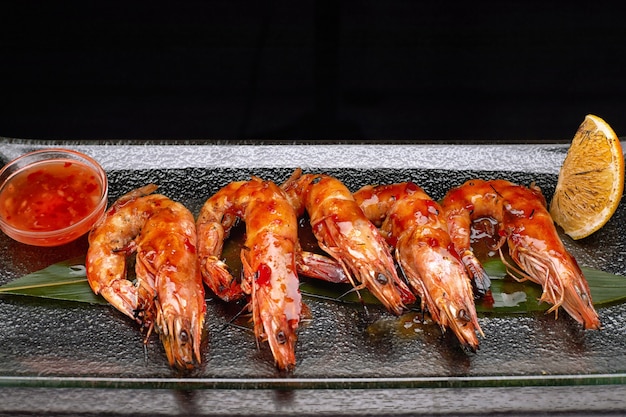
[{"x": 350, "y": 70}]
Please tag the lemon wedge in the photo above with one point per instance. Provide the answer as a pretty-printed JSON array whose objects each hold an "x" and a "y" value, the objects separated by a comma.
[{"x": 591, "y": 180}]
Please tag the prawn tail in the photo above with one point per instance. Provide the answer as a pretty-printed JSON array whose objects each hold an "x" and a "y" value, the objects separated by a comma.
[
  {"x": 481, "y": 282},
  {"x": 322, "y": 267},
  {"x": 218, "y": 278}
]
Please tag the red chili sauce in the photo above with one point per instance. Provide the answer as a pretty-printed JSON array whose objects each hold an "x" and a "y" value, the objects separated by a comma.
[{"x": 50, "y": 196}]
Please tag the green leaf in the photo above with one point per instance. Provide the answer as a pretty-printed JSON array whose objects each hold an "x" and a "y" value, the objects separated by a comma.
[
  {"x": 65, "y": 280},
  {"x": 494, "y": 268},
  {"x": 508, "y": 295},
  {"x": 605, "y": 288},
  {"x": 511, "y": 296}
]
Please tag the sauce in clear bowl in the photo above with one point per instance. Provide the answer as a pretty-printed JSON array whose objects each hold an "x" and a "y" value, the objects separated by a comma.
[{"x": 51, "y": 197}]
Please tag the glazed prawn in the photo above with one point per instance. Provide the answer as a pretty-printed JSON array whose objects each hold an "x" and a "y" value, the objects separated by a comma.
[
  {"x": 270, "y": 276},
  {"x": 343, "y": 231},
  {"x": 168, "y": 294},
  {"x": 534, "y": 244},
  {"x": 414, "y": 225}
]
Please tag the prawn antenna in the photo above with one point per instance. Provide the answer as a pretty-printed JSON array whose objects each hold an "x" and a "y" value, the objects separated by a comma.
[
  {"x": 495, "y": 191},
  {"x": 325, "y": 297},
  {"x": 231, "y": 322},
  {"x": 145, "y": 352},
  {"x": 356, "y": 289}
]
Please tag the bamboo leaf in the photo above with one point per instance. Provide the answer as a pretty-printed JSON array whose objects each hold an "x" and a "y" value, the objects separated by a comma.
[
  {"x": 65, "y": 280},
  {"x": 494, "y": 268},
  {"x": 508, "y": 295},
  {"x": 511, "y": 296},
  {"x": 605, "y": 288}
]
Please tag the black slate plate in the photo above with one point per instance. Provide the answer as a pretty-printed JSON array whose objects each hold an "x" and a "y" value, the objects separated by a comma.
[{"x": 45, "y": 343}]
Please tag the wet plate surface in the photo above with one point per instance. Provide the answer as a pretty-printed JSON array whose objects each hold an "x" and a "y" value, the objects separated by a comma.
[{"x": 63, "y": 344}]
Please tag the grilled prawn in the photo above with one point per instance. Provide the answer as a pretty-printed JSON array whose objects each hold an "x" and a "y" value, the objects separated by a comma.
[
  {"x": 343, "y": 231},
  {"x": 268, "y": 258},
  {"x": 168, "y": 294},
  {"x": 534, "y": 244},
  {"x": 413, "y": 224}
]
